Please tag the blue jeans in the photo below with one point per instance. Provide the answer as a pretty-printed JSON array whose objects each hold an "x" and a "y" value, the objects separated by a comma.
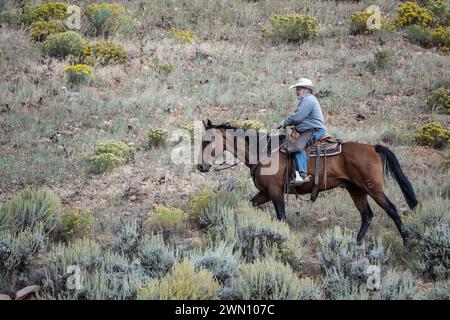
[{"x": 301, "y": 162}]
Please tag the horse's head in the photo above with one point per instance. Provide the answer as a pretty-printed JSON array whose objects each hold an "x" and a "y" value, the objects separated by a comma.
[{"x": 213, "y": 146}]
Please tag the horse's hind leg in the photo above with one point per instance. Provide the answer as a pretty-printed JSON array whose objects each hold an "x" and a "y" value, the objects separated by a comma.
[
  {"x": 277, "y": 197},
  {"x": 260, "y": 198},
  {"x": 359, "y": 197},
  {"x": 383, "y": 201}
]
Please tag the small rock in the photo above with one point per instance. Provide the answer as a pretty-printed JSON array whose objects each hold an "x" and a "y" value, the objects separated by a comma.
[
  {"x": 132, "y": 198},
  {"x": 4, "y": 297},
  {"x": 26, "y": 292},
  {"x": 322, "y": 220}
]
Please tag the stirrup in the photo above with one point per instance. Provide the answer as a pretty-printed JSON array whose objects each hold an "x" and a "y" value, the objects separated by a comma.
[{"x": 299, "y": 180}]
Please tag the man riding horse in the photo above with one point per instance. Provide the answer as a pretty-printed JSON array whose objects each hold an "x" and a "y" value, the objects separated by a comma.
[{"x": 308, "y": 121}]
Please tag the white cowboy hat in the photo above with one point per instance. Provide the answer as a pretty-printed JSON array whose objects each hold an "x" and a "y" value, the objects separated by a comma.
[{"x": 303, "y": 82}]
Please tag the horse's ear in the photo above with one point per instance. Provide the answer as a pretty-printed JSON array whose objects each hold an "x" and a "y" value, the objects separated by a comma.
[{"x": 208, "y": 124}]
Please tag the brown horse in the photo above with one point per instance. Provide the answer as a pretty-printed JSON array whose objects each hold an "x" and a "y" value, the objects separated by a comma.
[{"x": 359, "y": 169}]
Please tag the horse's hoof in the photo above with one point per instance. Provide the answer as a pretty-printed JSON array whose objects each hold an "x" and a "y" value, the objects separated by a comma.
[{"x": 407, "y": 244}]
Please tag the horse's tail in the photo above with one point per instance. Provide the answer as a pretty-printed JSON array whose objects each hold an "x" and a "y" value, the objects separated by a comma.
[{"x": 391, "y": 167}]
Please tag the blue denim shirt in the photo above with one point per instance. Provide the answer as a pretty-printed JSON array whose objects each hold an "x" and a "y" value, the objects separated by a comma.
[{"x": 307, "y": 115}]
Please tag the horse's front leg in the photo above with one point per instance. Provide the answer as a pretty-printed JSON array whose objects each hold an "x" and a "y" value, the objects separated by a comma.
[{"x": 260, "y": 198}]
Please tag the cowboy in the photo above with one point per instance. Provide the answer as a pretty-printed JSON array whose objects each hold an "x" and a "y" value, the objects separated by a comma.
[{"x": 308, "y": 121}]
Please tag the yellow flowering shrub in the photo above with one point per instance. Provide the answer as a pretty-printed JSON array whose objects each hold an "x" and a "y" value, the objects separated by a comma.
[
  {"x": 40, "y": 30},
  {"x": 105, "y": 52},
  {"x": 410, "y": 13},
  {"x": 166, "y": 217},
  {"x": 74, "y": 223},
  {"x": 163, "y": 66},
  {"x": 156, "y": 136},
  {"x": 433, "y": 135},
  {"x": 64, "y": 44},
  {"x": 79, "y": 73},
  {"x": 182, "y": 36},
  {"x": 439, "y": 99},
  {"x": 110, "y": 155},
  {"x": 199, "y": 202},
  {"x": 291, "y": 28},
  {"x": 183, "y": 282},
  {"x": 248, "y": 124},
  {"x": 358, "y": 23}
]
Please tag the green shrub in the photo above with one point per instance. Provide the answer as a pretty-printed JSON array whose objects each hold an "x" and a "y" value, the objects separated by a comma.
[
  {"x": 108, "y": 19},
  {"x": 40, "y": 30},
  {"x": 267, "y": 279},
  {"x": 440, "y": 13},
  {"x": 198, "y": 203},
  {"x": 167, "y": 217},
  {"x": 10, "y": 18},
  {"x": 74, "y": 223},
  {"x": 105, "y": 52},
  {"x": 439, "y": 99},
  {"x": 310, "y": 290},
  {"x": 182, "y": 36},
  {"x": 31, "y": 208},
  {"x": 440, "y": 291},
  {"x": 17, "y": 253},
  {"x": 182, "y": 283},
  {"x": 220, "y": 261},
  {"x": 429, "y": 215},
  {"x": 110, "y": 155},
  {"x": 434, "y": 252},
  {"x": 155, "y": 256},
  {"x": 248, "y": 124},
  {"x": 410, "y": 13},
  {"x": 433, "y": 135},
  {"x": 440, "y": 38},
  {"x": 381, "y": 61},
  {"x": 64, "y": 44},
  {"x": 79, "y": 74},
  {"x": 292, "y": 28},
  {"x": 339, "y": 287},
  {"x": 446, "y": 162},
  {"x": 128, "y": 236},
  {"x": 419, "y": 35},
  {"x": 50, "y": 11},
  {"x": 157, "y": 137}
]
